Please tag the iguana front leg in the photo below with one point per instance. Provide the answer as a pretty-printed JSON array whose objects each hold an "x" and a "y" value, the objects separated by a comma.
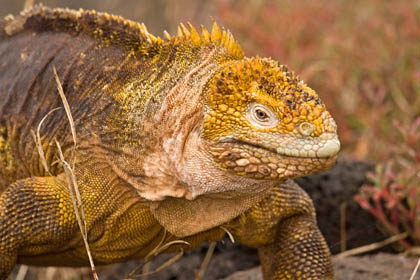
[
  {"x": 283, "y": 228},
  {"x": 35, "y": 217},
  {"x": 38, "y": 223}
]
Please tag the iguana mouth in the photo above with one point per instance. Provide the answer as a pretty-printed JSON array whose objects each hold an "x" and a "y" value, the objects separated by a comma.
[
  {"x": 257, "y": 161},
  {"x": 328, "y": 146}
]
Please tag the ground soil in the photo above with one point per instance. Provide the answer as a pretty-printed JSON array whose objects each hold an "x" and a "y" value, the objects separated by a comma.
[{"x": 381, "y": 266}]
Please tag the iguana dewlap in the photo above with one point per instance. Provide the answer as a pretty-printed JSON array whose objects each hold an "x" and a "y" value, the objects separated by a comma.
[{"x": 179, "y": 138}]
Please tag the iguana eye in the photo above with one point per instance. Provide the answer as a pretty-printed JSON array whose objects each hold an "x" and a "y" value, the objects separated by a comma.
[{"x": 261, "y": 116}]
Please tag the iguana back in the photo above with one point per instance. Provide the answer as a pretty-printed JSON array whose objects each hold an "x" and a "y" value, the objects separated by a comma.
[
  {"x": 103, "y": 62},
  {"x": 29, "y": 49}
]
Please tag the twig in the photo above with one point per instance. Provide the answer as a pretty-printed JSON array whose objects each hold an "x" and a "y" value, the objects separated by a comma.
[
  {"x": 343, "y": 232},
  {"x": 206, "y": 261},
  {"x": 373, "y": 246}
]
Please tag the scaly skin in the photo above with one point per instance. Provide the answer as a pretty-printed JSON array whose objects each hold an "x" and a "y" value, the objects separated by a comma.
[{"x": 177, "y": 139}]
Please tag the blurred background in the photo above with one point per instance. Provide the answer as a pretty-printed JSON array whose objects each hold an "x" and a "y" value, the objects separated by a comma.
[{"x": 362, "y": 57}]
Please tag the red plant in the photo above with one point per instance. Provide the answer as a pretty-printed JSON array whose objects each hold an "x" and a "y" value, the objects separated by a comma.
[{"x": 393, "y": 196}]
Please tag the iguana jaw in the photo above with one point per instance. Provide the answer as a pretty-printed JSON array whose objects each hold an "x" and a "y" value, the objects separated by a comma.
[
  {"x": 326, "y": 146},
  {"x": 288, "y": 160}
]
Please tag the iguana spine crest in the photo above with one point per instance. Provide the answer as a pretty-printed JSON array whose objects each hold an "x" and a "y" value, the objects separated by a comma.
[{"x": 134, "y": 30}]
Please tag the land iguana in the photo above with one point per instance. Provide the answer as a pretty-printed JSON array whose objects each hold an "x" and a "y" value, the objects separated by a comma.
[{"x": 178, "y": 138}]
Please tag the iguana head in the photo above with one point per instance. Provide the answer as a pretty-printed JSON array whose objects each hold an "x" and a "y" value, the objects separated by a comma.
[{"x": 264, "y": 122}]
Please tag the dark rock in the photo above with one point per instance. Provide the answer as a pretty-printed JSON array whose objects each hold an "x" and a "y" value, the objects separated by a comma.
[{"x": 329, "y": 190}]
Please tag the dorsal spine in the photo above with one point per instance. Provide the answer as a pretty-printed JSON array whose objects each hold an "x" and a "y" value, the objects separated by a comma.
[{"x": 116, "y": 29}]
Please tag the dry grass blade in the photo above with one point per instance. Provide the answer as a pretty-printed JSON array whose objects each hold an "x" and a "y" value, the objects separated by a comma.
[
  {"x": 133, "y": 272},
  {"x": 148, "y": 258},
  {"x": 167, "y": 245},
  {"x": 229, "y": 234},
  {"x": 153, "y": 252},
  {"x": 66, "y": 105},
  {"x": 71, "y": 177},
  {"x": 206, "y": 261},
  {"x": 37, "y": 139},
  {"x": 156, "y": 251},
  {"x": 79, "y": 199},
  {"x": 415, "y": 270},
  {"x": 164, "y": 265},
  {"x": 23, "y": 269},
  {"x": 160, "y": 248},
  {"x": 51, "y": 273},
  {"x": 28, "y": 4},
  {"x": 373, "y": 246},
  {"x": 146, "y": 270}
]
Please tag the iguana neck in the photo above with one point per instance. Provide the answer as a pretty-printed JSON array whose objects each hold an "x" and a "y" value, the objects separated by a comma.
[{"x": 164, "y": 119}]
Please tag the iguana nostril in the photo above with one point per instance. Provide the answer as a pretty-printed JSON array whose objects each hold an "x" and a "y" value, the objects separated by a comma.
[{"x": 306, "y": 128}]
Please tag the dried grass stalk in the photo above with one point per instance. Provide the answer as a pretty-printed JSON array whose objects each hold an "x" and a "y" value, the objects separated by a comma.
[
  {"x": 152, "y": 254},
  {"x": 415, "y": 270},
  {"x": 229, "y": 234},
  {"x": 343, "y": 232},
  {"x": 23, "y": 269},
  {"x": 37, "y": 139},
  {"x": 164, "y": 265},
  {"x": 206, "y": 261},
  {"x": 28, "y": 4},
  {"x": 71, "y": 177},
  {"x": 373, "y": 246}
]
